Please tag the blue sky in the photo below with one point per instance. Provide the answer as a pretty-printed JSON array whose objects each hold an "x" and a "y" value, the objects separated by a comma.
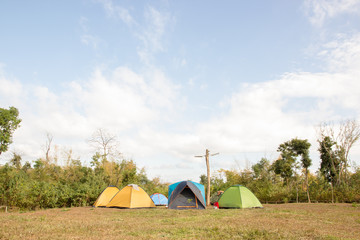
[{"x": 172, "y": 78}]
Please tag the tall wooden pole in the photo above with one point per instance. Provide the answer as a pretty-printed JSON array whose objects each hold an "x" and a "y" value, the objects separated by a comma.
[
  {"x": 208, "y": 178},
  {"x": 208, "y": 174}
]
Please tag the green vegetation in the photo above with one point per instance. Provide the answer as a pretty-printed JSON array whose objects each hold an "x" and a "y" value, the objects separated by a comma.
[
  {"x": 270, "y": 187},
  {"x": 288, "y": 179},
  {"x": 9, "y": 121},
  {"x": 46, "y": 184}
]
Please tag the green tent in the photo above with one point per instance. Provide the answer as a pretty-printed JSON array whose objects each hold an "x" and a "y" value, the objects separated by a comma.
[{"x": 238, "y": 196}]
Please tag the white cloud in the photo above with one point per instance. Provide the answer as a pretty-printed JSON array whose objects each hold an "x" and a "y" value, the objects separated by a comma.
[
  {"x": 140, "y": 106},
  {"x": 121, "y": 101},
  {"x": 117, "y": 11},
  {"x": 203, "y": 86},
  {"x": 179, "y": 62},
  {"x": 343, "y": 54},
  {"x": 84, "y": 24},
  {"x": 265, "y": 114},
  {"x": 90, "y": 40},
  {"x": 11, "y": 89},
  {"x": 125, "y": 99},
  {"x": 156, "y": 23},
  {"x": 150, "y": 31},
  {"x": 87, "y": 38},
  {"x": 320, "y": 10}
]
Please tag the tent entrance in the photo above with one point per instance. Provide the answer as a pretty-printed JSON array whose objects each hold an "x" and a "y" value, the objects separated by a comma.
[
  {"x": 186, "y": 199},
  {"x": 186, "y": 195}
]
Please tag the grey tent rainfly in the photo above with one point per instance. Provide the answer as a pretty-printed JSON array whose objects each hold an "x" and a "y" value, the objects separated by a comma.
[{"x": 186, "y": 195}]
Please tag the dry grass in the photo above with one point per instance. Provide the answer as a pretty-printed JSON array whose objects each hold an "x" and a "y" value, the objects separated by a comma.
[{"x": 285, "y": 221}]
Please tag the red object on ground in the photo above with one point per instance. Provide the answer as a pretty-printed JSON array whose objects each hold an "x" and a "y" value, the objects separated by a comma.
[{"x": 216, "y": 204}]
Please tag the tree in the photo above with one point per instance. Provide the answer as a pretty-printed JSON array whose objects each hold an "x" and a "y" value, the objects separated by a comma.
[
  {"x": 16, "y": 160},
  {"x": 9, "y": 121},
  {"x": 344, "y": 137},
  {"x": 290, "y": 151},
  {"x": 107, "y": 155},
  {"x": 262, "y": 179},
  {"x": 49, "y": 139},
  {"x": 284, "y": 167},
  {"x": 261, "y": 169},
  {"x": 330, "y": 162},
  {"x": 105, "y": 143}
]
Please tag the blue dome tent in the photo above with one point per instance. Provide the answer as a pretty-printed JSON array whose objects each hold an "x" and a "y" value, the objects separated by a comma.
[{"x": 159, "y": 199}]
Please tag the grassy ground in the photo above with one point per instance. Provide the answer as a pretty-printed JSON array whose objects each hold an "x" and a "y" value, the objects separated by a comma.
[{"x": 284, "y": 221}]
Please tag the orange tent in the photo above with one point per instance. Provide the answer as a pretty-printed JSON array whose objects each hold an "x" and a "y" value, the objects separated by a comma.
[
  {"x": 131, "y": 196},
  {"x": 105, "y": 196}
]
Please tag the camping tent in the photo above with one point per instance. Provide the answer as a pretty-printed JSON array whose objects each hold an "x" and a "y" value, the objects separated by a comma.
[
  {"x": 131, "y": 196},
  {"x": 186, "y": 195},
  {"x": 198, "y": 185},
  {"x": 238, "y": 196},
  {"x": 159, "y": 199},
  {"x": 105, "y": 196}
]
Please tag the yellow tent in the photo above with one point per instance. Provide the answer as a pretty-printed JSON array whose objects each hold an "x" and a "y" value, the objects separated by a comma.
[
  {"x": 131, "y": 196},
  {"x": 105, "y": 197}
]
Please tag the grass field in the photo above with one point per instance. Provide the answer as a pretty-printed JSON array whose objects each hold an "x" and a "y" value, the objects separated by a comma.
[{"x": 283, "y": 221}]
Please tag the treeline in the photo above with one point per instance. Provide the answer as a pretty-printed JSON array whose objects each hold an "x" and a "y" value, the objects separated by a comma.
[
  {"x": 48, "y": 185},
  {"x": 288, "y": 178},
  {"x": 270, "y": 187}
]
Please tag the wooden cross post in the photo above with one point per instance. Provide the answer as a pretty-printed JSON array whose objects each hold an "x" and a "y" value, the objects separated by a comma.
[{"x": 207, "y": 154}]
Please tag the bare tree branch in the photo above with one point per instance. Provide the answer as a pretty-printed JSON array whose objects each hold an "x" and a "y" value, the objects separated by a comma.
[
  {"x": 49, "y": 139},
  {"x": 105, "y": 143}
]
